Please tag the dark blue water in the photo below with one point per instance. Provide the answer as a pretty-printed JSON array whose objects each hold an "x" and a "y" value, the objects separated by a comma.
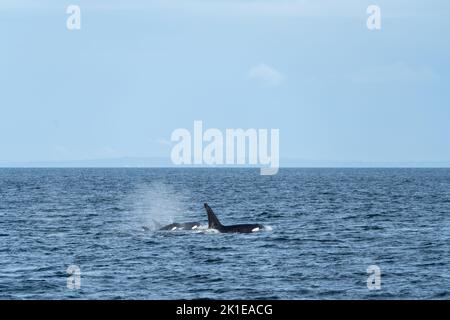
[{"x": 328, "y": 226}]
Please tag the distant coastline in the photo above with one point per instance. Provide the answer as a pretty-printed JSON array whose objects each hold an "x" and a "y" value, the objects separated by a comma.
[{"x": 160, "y": 162}]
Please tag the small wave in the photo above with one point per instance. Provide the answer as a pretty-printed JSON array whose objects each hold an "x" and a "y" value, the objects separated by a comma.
[{"x": 441, "y": 295}]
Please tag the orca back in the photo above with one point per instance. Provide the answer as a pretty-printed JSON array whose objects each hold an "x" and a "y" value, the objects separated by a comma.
[{"x": 242, "y": 228}]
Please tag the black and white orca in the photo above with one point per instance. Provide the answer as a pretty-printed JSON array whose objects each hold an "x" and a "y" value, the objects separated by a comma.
[
  {"x": 175, "y": 226},
  {"x": 214, "y": 223},
  {"x": 181, "y": 226}
]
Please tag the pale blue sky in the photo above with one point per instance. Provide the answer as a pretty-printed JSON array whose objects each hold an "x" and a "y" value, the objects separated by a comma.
[{"x": 137, "y": 70}]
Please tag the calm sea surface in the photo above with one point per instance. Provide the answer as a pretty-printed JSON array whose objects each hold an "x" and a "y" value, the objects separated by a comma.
[{"x": 326, "y": 227}]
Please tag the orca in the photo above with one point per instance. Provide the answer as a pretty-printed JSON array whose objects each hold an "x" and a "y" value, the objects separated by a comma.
[
  {"x": 175, "y": 226},
  {"x": 181, "y": 226},
  {"x": 214, "y": 223}
]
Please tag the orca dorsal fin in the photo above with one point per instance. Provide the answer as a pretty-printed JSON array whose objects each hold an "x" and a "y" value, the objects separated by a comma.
[{"x": 213, "y": 222}]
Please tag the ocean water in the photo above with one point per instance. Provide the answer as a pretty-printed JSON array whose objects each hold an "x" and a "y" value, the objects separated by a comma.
[{"x": 326, "y": 227}]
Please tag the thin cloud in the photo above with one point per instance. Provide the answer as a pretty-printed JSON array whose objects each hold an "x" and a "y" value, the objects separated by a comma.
[{"x": 266, "y": 75}]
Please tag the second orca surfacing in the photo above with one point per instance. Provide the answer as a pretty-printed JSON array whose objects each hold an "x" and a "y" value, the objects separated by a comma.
[
  {"x": 175, "y": 226},
  {"x": 181, "y": 226},
  {"x": 214, "y": 223}
]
